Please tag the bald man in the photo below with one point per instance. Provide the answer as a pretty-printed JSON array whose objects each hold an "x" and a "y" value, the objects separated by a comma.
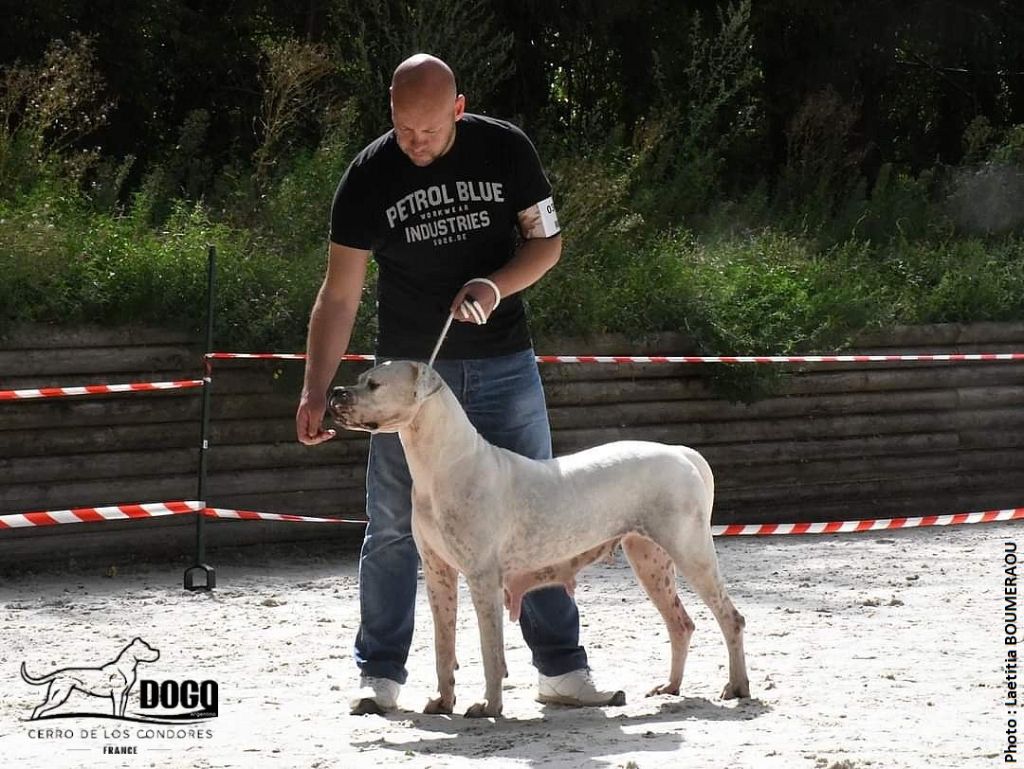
[{"x": 458, "y": 215}]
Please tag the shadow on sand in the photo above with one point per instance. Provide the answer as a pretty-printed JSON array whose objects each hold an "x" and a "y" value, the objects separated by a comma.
[{"x": 587, "y": 733}]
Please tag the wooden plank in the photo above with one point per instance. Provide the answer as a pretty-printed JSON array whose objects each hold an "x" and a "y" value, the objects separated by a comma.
[
  {"x": 288, "y": 455},
  {"x": 107, "y": 377},
  {"x": 23, "y": 497},
  {"x": 68, "y": 469},
  {"x": 924, "y": 485},
  {"x": 941, "y": 334},
  {"x": 62, "y": 469},
  {"x": 262, "y": 406},
  {"x": 783, "y": 511},
  {"x": 830, "y": 469},
  {"x": 585, "y": 392},
  {"x": 73, "y": 365},
  {"x": 709, "y": 433},
  {"x": 739, "y": 476},
  {"x": 1009, "y": 390},
  {"x": 950, "y": 375},
  {"x": 102, "y": 410},
  {"x": 878, "y": 447},
  {"x": 57, "y": 440},
  {"x": 234, "y": 377},
  {"x": 311, "y": 478},
  {"x": 340, "y": 503},
  {"x": 991, "y": 438},
  {"x": 247, "y": 432},
  {"x": 40, "y": 336},
  {"x": 982, "y": 334},
  {"x": 592, "y": 372},
  {"x": 989, "y": 397},
  {"x": 133, "y": 437},
  {"x": 699, "y": 436},
  {"x": 810, "y": 407}
]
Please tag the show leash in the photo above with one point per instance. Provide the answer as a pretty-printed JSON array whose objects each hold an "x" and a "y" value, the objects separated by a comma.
[
  {"x": 471, "y": 306},
  {"x": 440, "y": 339}
]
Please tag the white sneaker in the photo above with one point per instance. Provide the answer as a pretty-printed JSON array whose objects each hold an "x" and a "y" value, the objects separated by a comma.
[
  {"x": 575, "y": 688},
  {"x": 376, "y": 696}
]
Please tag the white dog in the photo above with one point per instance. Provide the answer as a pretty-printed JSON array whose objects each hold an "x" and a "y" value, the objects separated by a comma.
[
  {"x": 512, "y": 524},
  {"x": 114, "y": 680}
]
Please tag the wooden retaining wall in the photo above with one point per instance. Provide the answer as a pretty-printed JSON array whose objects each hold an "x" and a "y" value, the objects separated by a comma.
[{"x": 833, "y": 442}]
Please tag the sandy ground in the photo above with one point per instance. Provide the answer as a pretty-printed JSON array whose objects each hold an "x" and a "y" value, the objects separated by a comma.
[{"x": 865, "y": 650}]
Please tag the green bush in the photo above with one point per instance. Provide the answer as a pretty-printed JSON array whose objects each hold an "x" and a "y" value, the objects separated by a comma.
[
  {"x": 956, "y": 281},
  {"x": 72, "y": 265}
]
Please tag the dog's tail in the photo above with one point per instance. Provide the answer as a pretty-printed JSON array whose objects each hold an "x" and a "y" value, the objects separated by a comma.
[
  {"x": 35, "y": 681},
  {"x": 705, "y": 475}
]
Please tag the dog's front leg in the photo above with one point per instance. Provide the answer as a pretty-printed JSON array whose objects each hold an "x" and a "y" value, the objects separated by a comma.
[
  {"x": 487, "y": 601},
  {"x": 122, "y": 705},
  {"x": 442, "y": 591}
]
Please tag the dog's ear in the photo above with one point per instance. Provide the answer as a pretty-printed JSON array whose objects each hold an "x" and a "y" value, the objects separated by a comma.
[{"x": 428, "y": 381}]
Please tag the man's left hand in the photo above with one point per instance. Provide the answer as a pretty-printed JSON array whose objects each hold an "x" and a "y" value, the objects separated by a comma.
[{"x": 474, "y": 303}]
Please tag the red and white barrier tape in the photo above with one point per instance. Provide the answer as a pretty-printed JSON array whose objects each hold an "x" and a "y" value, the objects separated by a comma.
[
  {"x": 944, "y": 357},
  {"x": 157, "y": 509},
  {"x": 107, "y": 389},
  {"x": 94, "y": 514},
  {"x": 922, "y": 357},
  {"x": 248, "y": 515},
  {"x": 880, "y": 524},
  {"x": 823, "y": 527},
  {"x": 277, "y": 356},
  {"x": 64, "y": 392}
]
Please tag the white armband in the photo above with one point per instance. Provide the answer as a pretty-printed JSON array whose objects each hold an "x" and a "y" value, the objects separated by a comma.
[{"x": 548, "y": 217}]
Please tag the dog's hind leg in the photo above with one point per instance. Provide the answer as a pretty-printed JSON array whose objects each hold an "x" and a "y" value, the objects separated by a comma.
[
  {"x": 56, "y": 695},
  {"x": 442, "y": 583},
  {"x": 700, "y": 569},
  {"x": 656, "y": 572}
]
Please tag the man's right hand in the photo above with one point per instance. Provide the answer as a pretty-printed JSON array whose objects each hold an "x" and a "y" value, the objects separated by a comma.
[{"x": 309, "y": 421}]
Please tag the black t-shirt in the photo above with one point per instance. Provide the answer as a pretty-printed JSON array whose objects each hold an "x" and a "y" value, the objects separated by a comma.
[{"x": 433, "y": 228}]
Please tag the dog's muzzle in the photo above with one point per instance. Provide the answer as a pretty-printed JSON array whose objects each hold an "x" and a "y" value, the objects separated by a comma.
[
  {"x": 339, "y": 406},
  {"x": 340, "y": 402}
]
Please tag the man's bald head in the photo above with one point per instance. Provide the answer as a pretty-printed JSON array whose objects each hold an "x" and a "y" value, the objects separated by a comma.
[
  {"x": 425, "y": 106},
  {"x": 423, "y": 78}
]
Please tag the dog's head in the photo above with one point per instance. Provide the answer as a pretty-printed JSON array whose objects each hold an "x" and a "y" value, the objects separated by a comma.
[
  {"x": 142, "y": 651},
  {"x": 385, "y": 398}
]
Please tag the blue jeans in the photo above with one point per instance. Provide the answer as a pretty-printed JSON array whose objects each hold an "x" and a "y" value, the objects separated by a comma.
[{"x": 504, "y": 400}]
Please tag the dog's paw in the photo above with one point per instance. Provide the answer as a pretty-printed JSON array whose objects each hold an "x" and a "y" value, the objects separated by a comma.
[
  {"x": 484, "y": 710},
  {"x": 438, "y": 707},
  {"x": 664, "y": 689},
  {"x": 733, "y": 691}
]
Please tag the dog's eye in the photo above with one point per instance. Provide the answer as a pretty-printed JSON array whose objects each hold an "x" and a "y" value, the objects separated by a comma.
[{"x": 371, "y": 385}]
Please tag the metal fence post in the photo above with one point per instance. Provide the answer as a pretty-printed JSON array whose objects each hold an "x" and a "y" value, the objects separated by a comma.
[{"x": 209, "y": 581}]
